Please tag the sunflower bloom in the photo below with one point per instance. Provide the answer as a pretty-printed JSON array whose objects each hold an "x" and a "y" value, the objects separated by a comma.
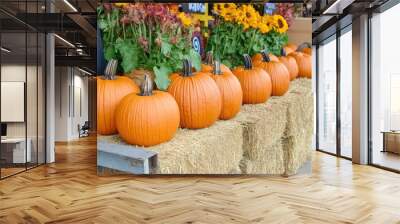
[
  {"x": 218, "y": 7},
  {"x": 281, "y": 24},
  {"x": 122, "y": 5},
  {"x": 186, "y": 21},
  {"x": 250, "y": 16}
]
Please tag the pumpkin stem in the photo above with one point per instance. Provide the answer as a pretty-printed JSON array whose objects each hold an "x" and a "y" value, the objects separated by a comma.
[
  {"x": 303, "y": 45},
  {"x": 209, "y": 58},
  {"x": 247, "y": 62},
  {"x": 111, "y": 69},
  {"x": 187, "y": 68},
  {"x": 217, "y": 68},
  {"x": 283, "y": 52},
  {"x": 265, "y": 56},
  {"x": 146, "y": 89}
]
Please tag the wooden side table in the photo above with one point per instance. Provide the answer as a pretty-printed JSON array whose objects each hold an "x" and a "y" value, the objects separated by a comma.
[{"x": 391, "y": 141}]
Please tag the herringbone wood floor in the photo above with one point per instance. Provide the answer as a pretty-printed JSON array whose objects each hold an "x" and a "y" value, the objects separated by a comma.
[{"x": 70, "y": 192}]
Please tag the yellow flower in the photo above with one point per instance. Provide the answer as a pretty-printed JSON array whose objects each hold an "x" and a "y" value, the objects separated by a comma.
[
  {"x": 186, "y": 21},
  {"x": 270, "y": 22},
  {"x": 226, "y": 10},
  {"x": 248, "y": 17},
  {"x": 281, "y": 24},
  {"x": 217, "y": 8},
  {"x": 265, "y": 24},
  {"x": 264, "y": 28},
  {"x": 121, "y": 4}
]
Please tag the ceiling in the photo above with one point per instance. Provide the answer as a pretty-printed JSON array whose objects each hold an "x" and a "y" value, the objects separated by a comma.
[
  {"x": 72, "y": 20},
  {"x": 330, "y": 15}
]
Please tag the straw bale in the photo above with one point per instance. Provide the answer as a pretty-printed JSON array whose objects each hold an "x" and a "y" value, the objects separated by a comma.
[
  {"x": 271, "y": 163},
  {"x": 270, "y": 138},
  {"x": 213, "y": 150},
  {"x": 297, "y": 140},
  {"x": 263, "y": 125}
]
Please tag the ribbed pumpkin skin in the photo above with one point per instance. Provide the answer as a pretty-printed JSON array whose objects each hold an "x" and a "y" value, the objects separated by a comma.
[
  {"x": 288, "y": 50},
  {"x": 304, "y": 63},
  {"x": 231, "y": 94},
  {"x": 198, "y": 98},
  {"x": 109, "y": 94},
  {"x": 292, "y": 46},
  {"x": 258, "y": 57},
  {"x": 291, "y": 66},
  {"x": 255, "y": 83},
  {"x": 280, "y": 76},
  {"x": 209, "y": 68},
  {"x": 147, "y": 120},
  {"x": 307, "y": 50}
]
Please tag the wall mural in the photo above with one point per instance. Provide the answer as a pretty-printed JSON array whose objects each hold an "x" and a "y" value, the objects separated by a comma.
[{"x": 203, "y": 88}]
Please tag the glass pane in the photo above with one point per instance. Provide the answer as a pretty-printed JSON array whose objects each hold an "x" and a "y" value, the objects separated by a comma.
[
  {"x": 41, "y": 99},
  {"x": 32, "y": 98},
  {"x": 13, "y": 86},
  {"x": 346, "y": 93},
  {"x": 327, "y": 97},
  {"x": 385, "y": 89}
]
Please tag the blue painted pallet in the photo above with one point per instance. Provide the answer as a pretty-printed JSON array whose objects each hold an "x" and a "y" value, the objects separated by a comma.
[{"x": 117, "y": 158}]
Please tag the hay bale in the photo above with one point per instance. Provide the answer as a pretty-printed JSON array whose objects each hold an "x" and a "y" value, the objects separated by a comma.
[
  {"x": 263, "y": 125},
  {"x": 213, "y": 150},
  {"x": 271, "y": 163},
  {"x": 297, "y": 139},
  {"x": 269, "y": 138},
  {"x": 277, "y": 135}
]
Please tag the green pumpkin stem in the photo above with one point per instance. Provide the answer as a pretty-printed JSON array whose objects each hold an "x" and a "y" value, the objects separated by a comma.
[
  {"x": 187, "y": 68},
  {"x": 283, "y": 52},
  {"x": 146, "y": 89},
  {"x": 217, "y": 68},
  {"x": 209, "y": 58},
  {"x": 265, "y": 56},
  {"x": 111, "y": 69},
  {"x": 247, "y": 62}
]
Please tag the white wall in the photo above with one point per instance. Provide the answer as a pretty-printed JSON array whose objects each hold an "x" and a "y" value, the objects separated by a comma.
[
  {"x": 34, "y": 126},
  {"x": 71, "y": 102}
]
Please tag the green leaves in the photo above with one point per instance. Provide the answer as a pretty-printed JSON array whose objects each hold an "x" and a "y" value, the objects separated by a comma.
[
  {"x": 129, "y": 52},
  {"x": 162, "y": 73},
  {"x": 166, "y": 47},
  {"x": 146, "y": 46},
  {"x": 229, "y": 42},
  {"x": 195, "y": 59}
]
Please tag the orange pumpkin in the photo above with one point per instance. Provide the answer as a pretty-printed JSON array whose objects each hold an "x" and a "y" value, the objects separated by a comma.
[
  {"x": 280, "y": 76},
  {"x": 110, "y": 90},
  {"x": 288, "y": 50},
  {"x": 148, "y": 118},
  {"x": 305, "y": 48},
  {"x": 231, "y": 92},
  {"x": 255, "y": 82},
  {"x": 198, "y": 97},
  {"x": 304, "y": 63},
  {"x": 290, "y": 64},
  {"x": 258, "y": 57},
  {"x": 207, "y": 67},
  {"x": 292, "y": 46}
]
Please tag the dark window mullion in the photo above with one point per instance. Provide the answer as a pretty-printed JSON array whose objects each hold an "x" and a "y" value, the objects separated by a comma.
[
  {"x": 338, "y": 75},
  {"x": 317, "y": 95},
  {"x": 26, "y": 87}
]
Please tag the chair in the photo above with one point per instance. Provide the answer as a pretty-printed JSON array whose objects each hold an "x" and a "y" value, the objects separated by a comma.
[{"x": 84, "y": 129}]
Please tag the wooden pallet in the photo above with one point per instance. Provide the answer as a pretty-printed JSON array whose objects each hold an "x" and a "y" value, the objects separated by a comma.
[{"x": 116, "y": 158}]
